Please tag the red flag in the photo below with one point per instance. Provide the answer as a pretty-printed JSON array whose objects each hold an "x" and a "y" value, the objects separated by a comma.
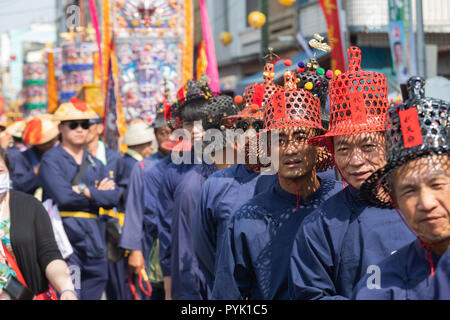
[
  {"x": 410, "y": 126},
  {"x": 331, "y": 13}
]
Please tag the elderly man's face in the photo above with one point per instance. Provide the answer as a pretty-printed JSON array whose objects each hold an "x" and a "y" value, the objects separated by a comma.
[
  {"x": 422, "y": 193},
  {"x": 358, "y": 156}
]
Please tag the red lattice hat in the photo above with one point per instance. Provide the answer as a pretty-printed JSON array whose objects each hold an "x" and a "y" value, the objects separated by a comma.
[
  {"x": 252, "y": 101},
  {"x": 358, "y": 101},
  {"x": 292, "y": 107},
  {"x": 257, "y": 96}
]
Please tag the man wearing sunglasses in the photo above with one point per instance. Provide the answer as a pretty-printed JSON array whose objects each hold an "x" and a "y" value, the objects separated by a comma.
[
  {"x": 227, "y": 190},
  {"x": 80, "y": 185}
]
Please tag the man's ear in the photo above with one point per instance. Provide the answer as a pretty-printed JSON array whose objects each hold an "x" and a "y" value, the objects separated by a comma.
[{"x": 100, "y": 129}]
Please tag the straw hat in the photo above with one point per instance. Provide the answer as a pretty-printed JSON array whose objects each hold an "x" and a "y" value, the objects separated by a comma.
[
  {"x": 138, "y": 133},
  {"x": 40, "y": 130},
  {"x": 74, "y": 110},
  {"x": 16, "y": 128}
]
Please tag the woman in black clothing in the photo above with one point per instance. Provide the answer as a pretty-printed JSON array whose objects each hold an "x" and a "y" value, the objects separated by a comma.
[{"x": 27, "y": 241}]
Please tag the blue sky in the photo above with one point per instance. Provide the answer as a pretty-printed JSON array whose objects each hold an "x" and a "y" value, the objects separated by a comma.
[{"x": 19, "y": 14}]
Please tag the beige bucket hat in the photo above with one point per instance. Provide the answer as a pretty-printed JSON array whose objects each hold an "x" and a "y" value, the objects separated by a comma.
[
  {"x": 139, "y": 133},
  {"x": 16, "y": 128},
  {"x": 40, "y": 130},
  {"x": 74, "y": 110}
]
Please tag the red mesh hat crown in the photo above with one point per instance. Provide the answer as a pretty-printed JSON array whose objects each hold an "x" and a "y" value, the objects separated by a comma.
[
  {"x": 292, "y": 107},
  {"x": 252, "y": 100},
  {"x": 358, "y": 101}
]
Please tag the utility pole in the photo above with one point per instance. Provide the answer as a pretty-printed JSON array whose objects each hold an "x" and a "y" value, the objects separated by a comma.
[
  {"x": 420, "y": 41},
  {"x": 265, "y": 28}
]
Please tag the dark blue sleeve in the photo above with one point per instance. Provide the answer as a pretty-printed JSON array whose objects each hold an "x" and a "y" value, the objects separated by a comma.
[
  {"x": 184, "y": 266},
  {"x": 164, "y": 211},
  {"x": 104, "y": 198},
  {"x": 154, "y": 205},
  {"x": 122, "y": 180},
  {"x": 232, "y": 273},
  {"x": 312, "y": 266},
  {"x": 132, "y": 233},
  {"x": 204, "y": 232},
  {"x": 23, "y": 176},
  {"x": 440, "y": 282},
  {"x": 56, "y": 186}
]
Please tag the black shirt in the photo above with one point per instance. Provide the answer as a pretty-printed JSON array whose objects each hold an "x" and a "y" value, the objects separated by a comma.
[{"x": 32, "y": 239}]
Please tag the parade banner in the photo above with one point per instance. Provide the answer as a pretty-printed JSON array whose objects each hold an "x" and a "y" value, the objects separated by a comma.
[
  {"x": 111, "y": 132},
  {"x": 212, "y": 70},
  {"x": 335, "y": 40},
  {"x": 401, "y": 40},
  {"x": 153, "y": 42},
  {"x": 106, "y": 43}
]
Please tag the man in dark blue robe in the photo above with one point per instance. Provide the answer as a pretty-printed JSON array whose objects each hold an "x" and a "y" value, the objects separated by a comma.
[
  {"x": 344, "y": 239},
  {"x": 254, "y": 256},
  {"x": 415, "y": 181},
  {"x": 79, "y": 202}
]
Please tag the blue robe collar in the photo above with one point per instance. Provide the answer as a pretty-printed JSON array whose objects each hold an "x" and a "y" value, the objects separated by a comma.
[{"x": 312, "y": 199}]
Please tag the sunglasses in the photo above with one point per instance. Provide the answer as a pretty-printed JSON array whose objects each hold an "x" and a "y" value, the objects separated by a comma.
[
  {"x": 73, "y": 125},
  {"x": 245, "y": 125}
]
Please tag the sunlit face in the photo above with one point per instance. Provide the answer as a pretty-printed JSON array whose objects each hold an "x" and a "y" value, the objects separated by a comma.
[
  {"x": 76, "y": 136},
  {"x": 296, "y": 156},
  {"x": 95, "y": 131},
  {"x": 422, "y": 193},
  {"x": 358, "y": 156}
]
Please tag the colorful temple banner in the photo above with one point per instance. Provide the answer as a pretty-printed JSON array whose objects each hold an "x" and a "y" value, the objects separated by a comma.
[{"x": 153, "y": 43}]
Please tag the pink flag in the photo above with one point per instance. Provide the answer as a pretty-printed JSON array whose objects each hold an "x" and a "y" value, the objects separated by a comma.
[
  {"x": 212, "y": 71},
  {"x": 94, "y": 16}
]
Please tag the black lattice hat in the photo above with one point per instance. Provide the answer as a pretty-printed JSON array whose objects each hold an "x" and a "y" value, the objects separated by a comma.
[
  {"x": 416, "y": 128},
  {"x": 194, "y": 90},
  {"x": 218, "y": 108},
  {"x": 312, "y": 77}
]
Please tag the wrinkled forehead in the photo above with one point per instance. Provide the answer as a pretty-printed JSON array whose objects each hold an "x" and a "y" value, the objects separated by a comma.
[
  {"x": 359, "y": 139},
  {"x": 293, "y": 131},
  {"x": 423, "y": 169}
]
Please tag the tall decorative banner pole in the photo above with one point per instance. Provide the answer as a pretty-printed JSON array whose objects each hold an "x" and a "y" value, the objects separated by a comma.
[
  {"x": 52, "y": 86},
  {"x": 107, "y": 40},
  {"x": 94, "y": 17},
  {"x": 188, "y": 59},
  {"x": 331, "y": 13},
  {"x": 212, "y": 70}
]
